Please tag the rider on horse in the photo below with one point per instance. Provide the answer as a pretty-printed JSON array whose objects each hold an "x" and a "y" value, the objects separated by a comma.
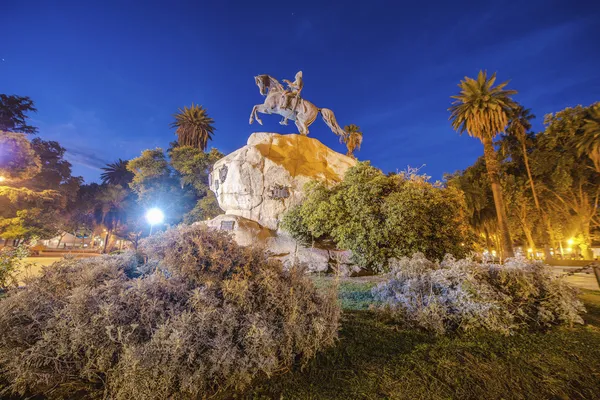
[{"x": 293, "y": 92}]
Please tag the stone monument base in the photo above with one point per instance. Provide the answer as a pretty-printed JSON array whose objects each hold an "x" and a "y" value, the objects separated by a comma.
[{"x": 281, "y": 246}]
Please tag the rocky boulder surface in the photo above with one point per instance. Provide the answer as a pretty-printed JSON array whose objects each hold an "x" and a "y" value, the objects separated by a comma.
[
  {"x": 256, "y": 185},
  {"x": 263, "y": 179}
]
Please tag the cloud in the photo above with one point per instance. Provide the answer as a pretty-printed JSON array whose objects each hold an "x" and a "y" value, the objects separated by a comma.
[{"x": 85, "y": 157}]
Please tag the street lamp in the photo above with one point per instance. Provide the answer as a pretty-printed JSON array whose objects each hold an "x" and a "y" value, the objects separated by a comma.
[
  {"x": 570, "y": 242},
  {"x": 154, "y": 216}
]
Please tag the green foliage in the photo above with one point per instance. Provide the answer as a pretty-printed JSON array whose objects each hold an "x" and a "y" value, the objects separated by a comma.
[
  {"x": 194, "y": 165},
  {"x": 481, "y": 109},
  {"x": 179, "y": 185},
  {"x": 150, "y": 170},
  {"x": 209, "y": 317},
  {"x": 193, "y": 127},
  {"x": 379, "y": 217},
  {"x": 18, "y": 160},
  {"x": 116, "y": 174},
  {"x": 12, "y": 260},
  {"x": 13, "y": 113},
  {"x": 590, "y": 139},
  {"x": 353, "y": 139}
]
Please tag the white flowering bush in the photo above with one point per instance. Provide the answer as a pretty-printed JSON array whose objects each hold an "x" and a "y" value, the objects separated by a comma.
[{"x": 463, "y": 295}]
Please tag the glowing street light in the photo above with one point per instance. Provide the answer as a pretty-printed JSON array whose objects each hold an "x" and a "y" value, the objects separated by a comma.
[
  {"x": 154, "y": 216},
  {"x": 570, "y": 242},
  {"x": 2, "y": 179}
]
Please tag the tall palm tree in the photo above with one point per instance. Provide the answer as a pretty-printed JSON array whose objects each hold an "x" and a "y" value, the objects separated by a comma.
[
  {"x": 353, "y": 139},
  {"x": 194, "y": 126},
  {"x": 482, "y": 110},
  {"x": 116, "y": 173},
  {"x": 518, "y": 126},
  {"x": 590, "y": 142}
]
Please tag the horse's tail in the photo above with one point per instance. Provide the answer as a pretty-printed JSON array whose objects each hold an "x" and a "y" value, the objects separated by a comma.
[{"x": 331, "y": 122}]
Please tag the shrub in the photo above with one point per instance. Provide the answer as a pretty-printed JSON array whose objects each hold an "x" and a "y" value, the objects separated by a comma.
[
  {"x": 208, "y": 317},
  {"x": 462, "y": 295},
  {"x": 380, "y": 216},
  {"x": 11, "y": 262}
]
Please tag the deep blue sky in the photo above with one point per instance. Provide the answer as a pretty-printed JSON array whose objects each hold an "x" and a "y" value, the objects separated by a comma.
[{"x": 107, "y": 76}]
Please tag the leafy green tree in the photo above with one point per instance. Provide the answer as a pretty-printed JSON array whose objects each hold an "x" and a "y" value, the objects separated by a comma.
[
  {"x": 353, "y": 139},
  {"x": 13, "y": 114},
  {"x": 157, "y": 184},
  {"x": 482, "y": 110},
  {"x": 378, "y": 217},
  {"x": 18, "y": 160},
  {"x": 473, "y": 182},
  {"x": 519, "y": 128},
  {"x": 571, "y": 183},
  {"x": 40, "y": 192},
  {"x": 193, "y": 127},
  {"x": 112, "y": 201},
  {"x": 590, "y": 141},
  {"x": 116, "y": 174}
]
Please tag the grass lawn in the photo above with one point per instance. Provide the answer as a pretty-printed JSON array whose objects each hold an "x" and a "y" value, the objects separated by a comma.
[{"x": 377, "y": 359}]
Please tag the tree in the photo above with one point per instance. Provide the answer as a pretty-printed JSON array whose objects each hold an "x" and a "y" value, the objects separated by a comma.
[
  {"x": 116, "y": 174},
  {"x": 157, "y": 184},
  {"x": 518, "y": 127},
  {"x": 482, "y": 110},
  {"x": 13, "y": 114},
  {"x": 378, "y": 217},
  {"x": 571, "y": 183},
  {"x": 193, "y": 167},
  {"x": 112, "y": 200},
  {"x": 45, "y": 194},
  {"x": 590, "y": 141},
  {"x": 18, "y": 160},
  {"x": 193, "y": 127},
  {"x": 479, "y": 200},
  {"x": 353, "y": 139}
]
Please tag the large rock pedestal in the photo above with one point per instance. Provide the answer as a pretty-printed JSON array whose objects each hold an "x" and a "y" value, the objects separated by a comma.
[{"x": 256, "y": 184}]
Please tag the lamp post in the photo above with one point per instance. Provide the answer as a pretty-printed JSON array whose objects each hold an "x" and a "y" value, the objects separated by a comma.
[{"x": 154, "y": 216}]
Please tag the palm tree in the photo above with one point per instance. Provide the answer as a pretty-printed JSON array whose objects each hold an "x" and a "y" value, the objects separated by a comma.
[
  {"x": 116, "y": 173},
  {"x": 482, "y": 110},
  {"x": 194, "y": 127},
  {"x": 518, "y": 126},
  {"x": 352, "y": 139},
  {"x": 111, "y": 199},
  {"x": 590, "y": 142}
]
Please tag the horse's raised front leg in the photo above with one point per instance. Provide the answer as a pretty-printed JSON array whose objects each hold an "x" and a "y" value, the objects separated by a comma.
[
  {"x": 260, "y": 108},
  {"x": 253, "y": 114}
]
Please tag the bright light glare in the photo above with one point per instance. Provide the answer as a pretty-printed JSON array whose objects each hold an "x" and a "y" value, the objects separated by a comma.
[
  {"x": 154, "y": 216},
  {"x": 2, "y": 179},
  {"x": 570, "y": 241}
]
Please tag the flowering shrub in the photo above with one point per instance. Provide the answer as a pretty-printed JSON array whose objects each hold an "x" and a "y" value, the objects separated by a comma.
[
  {"x": 207, "y": 317},
  {"x": 462, "y": 295}
]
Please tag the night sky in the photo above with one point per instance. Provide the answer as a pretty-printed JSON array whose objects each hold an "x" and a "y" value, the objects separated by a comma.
[{"x": 106, "y": 76}]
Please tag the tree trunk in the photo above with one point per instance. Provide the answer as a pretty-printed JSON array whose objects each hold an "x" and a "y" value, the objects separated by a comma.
[
  {"x": 493, "y": 168},
  {"x": 530, "y": 241},
  {"x": 60, "y": 240},
  {"x": 545, "y": 235},
  {"x": 106, "y": 241},
  {"x": 488, "y": 242}
]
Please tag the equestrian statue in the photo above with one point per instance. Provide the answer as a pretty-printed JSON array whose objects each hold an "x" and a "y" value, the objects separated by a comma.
[{"x": 289, "y": 104}]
